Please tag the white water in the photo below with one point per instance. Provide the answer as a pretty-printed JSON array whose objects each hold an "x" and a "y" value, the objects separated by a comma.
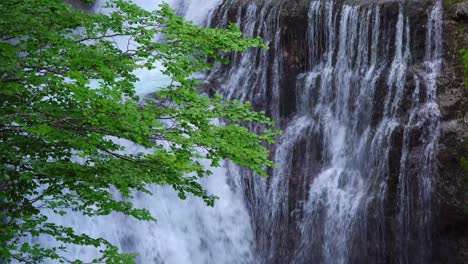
[
  {"x": 425, "y": 116},
  {"x": 337, "y": 146},
  {"x": 343, "y": 110},
  {"x": 186, "y": 231}
]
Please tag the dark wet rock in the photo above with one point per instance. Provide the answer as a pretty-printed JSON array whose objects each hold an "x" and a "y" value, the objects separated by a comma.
[
  {"x": 451, "y": 196},
  {"x": 208, "y": 87},
  {"x": 80, "y": 4},
  {"x": 461, "y": 10},
  {"x": 378, "y": 226}
]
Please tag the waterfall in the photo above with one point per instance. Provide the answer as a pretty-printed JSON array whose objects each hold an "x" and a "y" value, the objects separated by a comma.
[
  {"x": 355, "y": 164},
  {"x": 423, "y": 116},
  {"x": 356, "y": 160}
]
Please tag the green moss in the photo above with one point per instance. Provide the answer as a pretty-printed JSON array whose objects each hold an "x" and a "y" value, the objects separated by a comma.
[
  {"x": 449, "y": 4},
  {"x": 464, "y": 60},
  {"x": 460, "y": 29}
]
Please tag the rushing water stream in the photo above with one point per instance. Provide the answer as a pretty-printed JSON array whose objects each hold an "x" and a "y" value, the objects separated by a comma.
[{"x": 327, "y": 200}]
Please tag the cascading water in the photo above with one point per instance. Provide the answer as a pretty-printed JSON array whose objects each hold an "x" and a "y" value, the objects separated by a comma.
[
  {"x": 424, "y": 116},
  {"x": 357, "y": 157},
  {"x": 356, "y": 161}
]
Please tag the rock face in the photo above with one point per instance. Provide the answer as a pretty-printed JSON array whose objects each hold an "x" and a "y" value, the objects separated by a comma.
[
  {"x": 80, "y": 4},
  {"x": 451, "y": 193},
  {"x": 368, "y": 172},
  {"x": 461, "y": 10}
]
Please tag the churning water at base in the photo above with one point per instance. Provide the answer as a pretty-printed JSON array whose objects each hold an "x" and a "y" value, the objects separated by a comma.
[{"x": 362, "y": 102}]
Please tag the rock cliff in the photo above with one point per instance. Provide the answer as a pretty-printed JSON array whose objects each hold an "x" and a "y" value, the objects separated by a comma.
[{"x": 378, "y": 222}]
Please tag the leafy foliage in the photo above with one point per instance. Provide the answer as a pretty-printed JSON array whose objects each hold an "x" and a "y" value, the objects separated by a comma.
[{"x": 67, "y": 94}]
